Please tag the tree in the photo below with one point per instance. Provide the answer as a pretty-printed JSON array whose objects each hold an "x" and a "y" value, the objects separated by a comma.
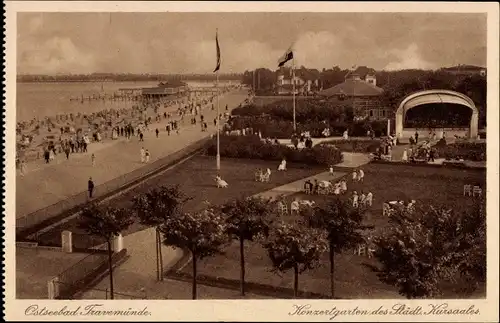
[
  {"x": 106, "y": 222},
  {"x": 246, "y": 219},
  {"x": 153, "y": 207},
  {"x": 342, "y": 224},
  {"x": 475, "y": 87},
  {"x": 202, "y": 233},
  {"x": 295, "y": 247},
  {"x": 432, "y": 245}
]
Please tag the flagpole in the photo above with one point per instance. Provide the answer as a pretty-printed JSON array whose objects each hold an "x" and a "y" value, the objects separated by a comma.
[
  {"x": 293, "y": 90},
  {"x": 218, "y": 121}
]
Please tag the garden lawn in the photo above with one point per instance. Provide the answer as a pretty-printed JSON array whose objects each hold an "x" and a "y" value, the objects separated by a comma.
[
  {"x": 353, "y": 276},
  {"x": 196, "y": 178}
]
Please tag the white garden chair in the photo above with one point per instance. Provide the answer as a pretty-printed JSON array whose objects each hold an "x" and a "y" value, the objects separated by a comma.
[
  {"x": 467, "y": 190},
  {"x": 282, "y": 208},
  {"x": 477, "y": 191}
]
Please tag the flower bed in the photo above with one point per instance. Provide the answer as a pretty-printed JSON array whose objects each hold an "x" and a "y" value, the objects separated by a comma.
[
  {"x": 253, "y": 148},
  {"x": 360, "y": 146},
  {"x": 464, "y": 150}
]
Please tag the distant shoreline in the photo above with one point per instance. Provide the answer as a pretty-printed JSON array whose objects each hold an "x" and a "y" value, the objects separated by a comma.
[
  {"x": 113, "y": 81},
  {"x": 118, "y": 78}
]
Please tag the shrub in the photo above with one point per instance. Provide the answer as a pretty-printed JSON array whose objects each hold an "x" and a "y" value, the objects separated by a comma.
[
  {"x": 353, "y": 145},
  {"x": 253, "y": 148},
  {"x": 277, "y": 121},
  {"x": 463, "y": 150}
]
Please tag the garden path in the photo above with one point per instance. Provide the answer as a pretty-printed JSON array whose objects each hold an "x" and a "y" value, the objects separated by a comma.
[{"x": 137, "y": 275}]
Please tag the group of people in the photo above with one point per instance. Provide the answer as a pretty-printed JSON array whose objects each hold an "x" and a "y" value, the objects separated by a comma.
[
  {"x": 362, "y": 199},
  {"x": 389, "y": 207},
  {"x": 263, "y": 176},
  {"x": 422, "y": 151},
  {"x": 145, "y": 155},
  {"x": 303, "y": 140},
  {"x": 318, "y": 187},
  {"x": 68, "y": 146}
]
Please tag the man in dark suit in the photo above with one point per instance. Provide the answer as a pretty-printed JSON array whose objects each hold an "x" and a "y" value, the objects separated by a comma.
[{"x": 90, "y": 187}]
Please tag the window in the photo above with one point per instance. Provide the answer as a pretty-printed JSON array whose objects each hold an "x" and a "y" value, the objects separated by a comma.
[
  {"x": 383, "y": 113},
  {"x": 371, "y": 113}
]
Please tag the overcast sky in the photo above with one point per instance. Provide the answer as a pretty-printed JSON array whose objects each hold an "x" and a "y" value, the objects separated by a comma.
[{"x": 185, "y": 42}]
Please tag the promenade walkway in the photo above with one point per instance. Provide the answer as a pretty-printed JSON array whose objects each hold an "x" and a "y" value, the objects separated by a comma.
[{"x": 46, "y": 185}]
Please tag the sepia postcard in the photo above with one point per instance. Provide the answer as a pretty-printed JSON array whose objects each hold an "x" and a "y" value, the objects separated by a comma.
[{"x": 291, "y": 161}]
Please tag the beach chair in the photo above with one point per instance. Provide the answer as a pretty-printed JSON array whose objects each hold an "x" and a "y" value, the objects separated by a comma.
[
  {"x": 477, "y": 191},
  {"x": 258, "y": 176},
  {"x": 264, "y": 177},
  {"x": 308, "y": 189},
  {"x": 467, "y": 190},
  {"x": 282, "y": 208}
]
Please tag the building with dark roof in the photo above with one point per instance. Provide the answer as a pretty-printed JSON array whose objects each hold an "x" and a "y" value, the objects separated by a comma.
[
  {"x": 364, "y": 95},
  {"x": 164, "y": 90}
]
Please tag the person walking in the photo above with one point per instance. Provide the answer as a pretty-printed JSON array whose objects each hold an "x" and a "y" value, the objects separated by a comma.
[
  {"x": 143, "y": 155},
  {"x": 157, "y": 132},
  {"x": 22, "y": 167},
  {"x": 93, "y": 160},
  {"x": 90, "y": 187},
  {"x": 416, "y": 137},
  {"x": 141, "y": 136},
  {"x": 66, "y": 151},
  {"x": 147, "y": 155}
]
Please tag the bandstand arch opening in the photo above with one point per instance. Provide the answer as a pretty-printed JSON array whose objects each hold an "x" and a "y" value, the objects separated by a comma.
[{"x": 449, "y": 104}]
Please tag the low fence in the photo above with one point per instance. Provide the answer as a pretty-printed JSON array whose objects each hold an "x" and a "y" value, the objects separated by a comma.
[
  {"x": 99, "y": 293},
  {"x": 82, "y": 274},
  {"x": 33, "y": 222}
]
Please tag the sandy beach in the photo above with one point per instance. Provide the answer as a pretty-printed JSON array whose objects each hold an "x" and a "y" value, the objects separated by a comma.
[{"x": 54, "y": 133}]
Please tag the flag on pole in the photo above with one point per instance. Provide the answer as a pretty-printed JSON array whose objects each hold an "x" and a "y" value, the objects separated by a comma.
[
  {"x": 217, "y": 67},
  {"x": 286, "y": 57}
]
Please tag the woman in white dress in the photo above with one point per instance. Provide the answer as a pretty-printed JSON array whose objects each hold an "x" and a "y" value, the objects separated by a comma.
[
  {"x": 405, "y": 156},
  {"x": 343, "y": 186}
]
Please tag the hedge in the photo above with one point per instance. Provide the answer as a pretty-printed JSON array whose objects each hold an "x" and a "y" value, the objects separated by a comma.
[
  {"x": 272, "y": 127},
  {"x": 252, "y": 147},
  {"x": 354, "y": 145},
  {"x": 463, "y": 150}
]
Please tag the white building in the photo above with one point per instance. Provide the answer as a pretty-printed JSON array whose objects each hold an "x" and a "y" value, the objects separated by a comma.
[{"x": 306, "y": 81}]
